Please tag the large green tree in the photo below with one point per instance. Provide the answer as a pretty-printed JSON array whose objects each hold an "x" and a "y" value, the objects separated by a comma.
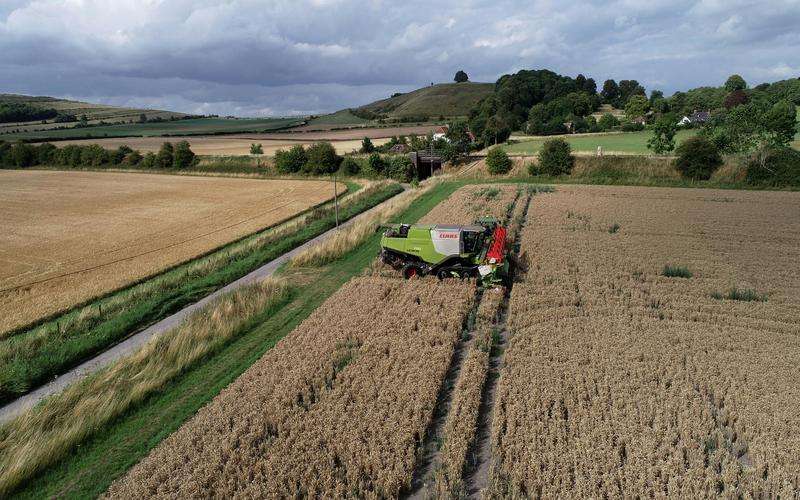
[
  {"x": 734, "y": 83},
  {"x": 663, "y": 138},
  {"x": 636, "y": 107}
]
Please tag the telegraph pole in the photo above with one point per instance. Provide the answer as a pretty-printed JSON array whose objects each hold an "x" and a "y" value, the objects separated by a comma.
[{"x": 335, "y": 200}]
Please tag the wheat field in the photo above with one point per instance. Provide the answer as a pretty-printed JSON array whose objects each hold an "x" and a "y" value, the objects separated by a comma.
[
  {"x": 70, "y": 236},
  {"x": 337, "y": 408},
  {"x": 620, "y": 381}
]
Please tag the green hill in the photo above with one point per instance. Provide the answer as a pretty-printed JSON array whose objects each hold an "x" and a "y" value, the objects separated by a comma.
[{"x": 444, "y": 99}]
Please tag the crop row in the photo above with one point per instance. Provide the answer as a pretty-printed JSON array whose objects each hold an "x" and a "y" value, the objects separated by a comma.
[
  {"x": 621, "y": 379},
  {"x": 338, "y": 407}
]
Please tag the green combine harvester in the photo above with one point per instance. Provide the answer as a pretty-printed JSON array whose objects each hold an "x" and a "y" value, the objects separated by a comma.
[{"x": 478, "y": 250}]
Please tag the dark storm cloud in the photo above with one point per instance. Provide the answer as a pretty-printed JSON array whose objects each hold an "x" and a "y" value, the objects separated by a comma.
[{"x": 249, "y": 58}]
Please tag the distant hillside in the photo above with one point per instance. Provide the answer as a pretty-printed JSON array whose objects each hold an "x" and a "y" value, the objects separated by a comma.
[
  {"x": 69, "y": 112},
  {"x": 444, "y": 99}
]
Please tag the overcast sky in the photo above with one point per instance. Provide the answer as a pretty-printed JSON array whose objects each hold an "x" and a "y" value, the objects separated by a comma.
[{"x": 255, "y": 58}]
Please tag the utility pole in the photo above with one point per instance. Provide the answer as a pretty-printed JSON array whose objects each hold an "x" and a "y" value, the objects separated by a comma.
[{"x": 335, "y": 200}]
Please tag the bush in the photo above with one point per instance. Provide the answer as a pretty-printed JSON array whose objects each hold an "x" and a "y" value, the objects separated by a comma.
[
  {"x": 698, "y": 158},
  {"x": 350, "y": 166},
  {"x": 322, "y": 159},
  {"x": 498, "y": 162},
  {"x": 166, "y": 156},
  {"x": 401, "y": 168},
  {"x": 607, "y": 122},
  {"x": 375, "y": 164},
  {"x": 555, "y": 158},
  {"x": 367, "y": 146},
  {"x": 778, "y": 167},
  {"x": 184, "y": 157},
  {"x": 289, "y": 162},
  {"x": 632, "y": 126},
  {"x": 133, "y": 158},
  {"x": 149, "y": 160}
]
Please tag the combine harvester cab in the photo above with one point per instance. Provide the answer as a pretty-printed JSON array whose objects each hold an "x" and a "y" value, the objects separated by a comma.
[{"x": 476, "y": 250}]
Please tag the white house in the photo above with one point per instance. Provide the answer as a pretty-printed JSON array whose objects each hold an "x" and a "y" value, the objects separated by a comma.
[{"x": 441, "y": 133}]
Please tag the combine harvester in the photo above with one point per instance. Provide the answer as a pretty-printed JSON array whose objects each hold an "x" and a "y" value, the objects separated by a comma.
[{"x": 478, "y": 250}]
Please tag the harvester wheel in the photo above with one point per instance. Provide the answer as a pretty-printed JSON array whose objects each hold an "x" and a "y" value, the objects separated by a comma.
[{"x": 411, "y": 271}]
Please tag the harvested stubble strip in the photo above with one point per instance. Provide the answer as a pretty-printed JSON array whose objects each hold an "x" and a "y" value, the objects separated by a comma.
[
  {"x": 621, "y": 382},
  {"x": 353, "y": 235},
  {"x": 462, "y": 419},
  {"x": 337, "y": 408},
  {"x": 48, "y": 431}
]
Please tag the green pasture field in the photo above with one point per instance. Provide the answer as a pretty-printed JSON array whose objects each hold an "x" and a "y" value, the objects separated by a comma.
[{"x": 622, "y": 142}]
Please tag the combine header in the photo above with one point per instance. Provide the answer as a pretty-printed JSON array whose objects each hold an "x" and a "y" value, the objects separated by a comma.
[{"x": 478, "y": 250}]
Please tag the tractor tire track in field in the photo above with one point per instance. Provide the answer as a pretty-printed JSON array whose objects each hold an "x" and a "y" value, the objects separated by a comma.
[
  {"x": 476, "y": 477},
  {"x": 423, "y": 480}
]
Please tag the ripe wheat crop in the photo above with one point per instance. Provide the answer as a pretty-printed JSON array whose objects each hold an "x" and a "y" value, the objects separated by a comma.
[
  {"x": 619, "y": 381},
  {"x": 338, "y": 408},
  {"x": 470, "y": 202}
]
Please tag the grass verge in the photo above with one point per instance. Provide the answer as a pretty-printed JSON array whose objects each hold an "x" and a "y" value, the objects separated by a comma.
[
  {"x": 109, "y": 450},
  {"x": 30, "y": 358}
]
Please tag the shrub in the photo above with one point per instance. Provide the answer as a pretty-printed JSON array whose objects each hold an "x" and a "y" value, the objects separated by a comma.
[
  {"x": 375, "y": 164},
  {"x": 367, "y": 146},
  {"x": 779, "y": 167},
  {"x": 133, "y": 158},
  {"x": 184, "y": 156},
  {"x": 401, "y": 168},
  {"x": 607, "y": 122},
  {"x": 350, "y": 166},
  {"x": 256, "y": 149},
  {"x": 498, "y": 162},
  {"x": 22, "y": 155},
  {"x": 322, "y": 159},
  {"x": 166, "y": 156},
  {"x": 555, "y": 158},
  {"x": 289, "y": 162},
  {"x": 149, "y": 160},
  {"x": 676, "y": 272},
  {"x": 698, "y": 158},
  {"x": 632, "y": 126}
]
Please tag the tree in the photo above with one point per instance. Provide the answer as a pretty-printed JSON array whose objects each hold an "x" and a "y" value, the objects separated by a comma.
[
  {"x": 256, "y": 149},
  {"x": 663, "y": 139},
  {"x": 184, "y": 156},
  {"x": 607, "y": 122},
  {"x": 23, "y": 155},
  {"x": 291, "y": 161},
  {"x": 555, "y": 157},
  {"x": 637, "y": 107},
  {"x": 322, "y": 159},
  {"x": 458, "y": 135},
  {"x": 610, "y": 91},
  {"x": 142, "y": 118},
  {"x": 367, "y": 146},
  {"x": 119, "y": 155},
  {"x": 780, "y": 124},
  {"x": 133, "y": 158},
  {"x": 736, "y": 98},
  {"x": 498, "y": 162},
  {"x": 628, "y": 89},
  {"x": 400, "y": 168},
  {"x": 461, "y": 77},
  {"x": 734, "y": 83},
  {"x": 698, "y": 158},
  {"x": 149, "y": 160},
  {"x": 166, "y": 156}
]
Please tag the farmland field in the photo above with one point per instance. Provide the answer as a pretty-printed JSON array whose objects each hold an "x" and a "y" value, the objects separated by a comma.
[
  {"x": 612, "y": 143},
  {"x": 71, "y": 236},
  {"x": 655, "y": 347},
  {"x": 194, "y": 126},
  {"x": 218, "y": 145}
]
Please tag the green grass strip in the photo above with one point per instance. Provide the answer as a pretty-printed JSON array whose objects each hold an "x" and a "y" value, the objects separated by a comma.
[
  {"x": 96, "y": 463},
  {"x": 34, "y": 362}
]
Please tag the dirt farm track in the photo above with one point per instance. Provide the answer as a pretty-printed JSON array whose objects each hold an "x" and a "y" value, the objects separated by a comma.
[{"x": 69, "y": 236}]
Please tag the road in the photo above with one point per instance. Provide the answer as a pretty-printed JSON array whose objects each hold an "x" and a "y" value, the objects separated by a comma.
[{"x": 134, "y": 342}]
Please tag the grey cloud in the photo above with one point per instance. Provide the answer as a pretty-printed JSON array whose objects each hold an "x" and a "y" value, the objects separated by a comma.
[{"x": 249, "y": 57}]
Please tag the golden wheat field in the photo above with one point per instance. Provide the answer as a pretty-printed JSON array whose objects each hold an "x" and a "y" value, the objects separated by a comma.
[
  {"x": 337, "y": 408},
  {"x": 70, "y": 236},
  {"x": 470, "y": 202},
  {"x": 620, "y": 381}
]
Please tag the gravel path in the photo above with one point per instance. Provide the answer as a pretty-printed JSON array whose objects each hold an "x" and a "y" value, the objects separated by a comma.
[{"x": 135, "y": 341}]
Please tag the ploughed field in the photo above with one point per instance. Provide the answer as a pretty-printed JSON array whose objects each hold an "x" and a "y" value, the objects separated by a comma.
[
  {"x": 70, "y": 236},
  {"x": 623, "y": 378}
]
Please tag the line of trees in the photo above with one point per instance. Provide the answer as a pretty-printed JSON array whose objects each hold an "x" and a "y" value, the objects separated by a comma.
[
  {"x": 21, "y": 155},
  {"x": 11, "y": 112}
]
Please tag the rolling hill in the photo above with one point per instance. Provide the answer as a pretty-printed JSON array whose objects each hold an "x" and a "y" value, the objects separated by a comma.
[{"x": 444, "y": 99}]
